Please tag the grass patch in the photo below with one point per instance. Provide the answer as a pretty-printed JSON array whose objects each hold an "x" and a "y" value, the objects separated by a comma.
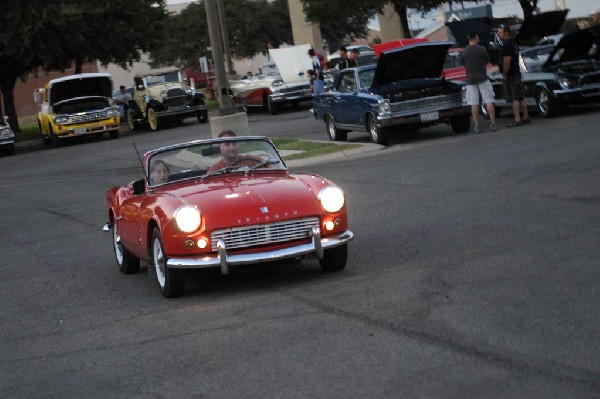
[
  {"x": 309, "y": 148},
  {"x": 28, "y": 132}
]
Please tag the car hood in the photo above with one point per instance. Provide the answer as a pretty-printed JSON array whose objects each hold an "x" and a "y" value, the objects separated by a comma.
[
  {"x": 250, "y": 199},
  {"x": 292, "y": 62},
  {"x": 460, "y": 30},
  {"x": 574, "y": 46},
  {"x": 83, "y": 87},
  {"x": 538, "y": 26},
  {"x": 416, "y": 61}
]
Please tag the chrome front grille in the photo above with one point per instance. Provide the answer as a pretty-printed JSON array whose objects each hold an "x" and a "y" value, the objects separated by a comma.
[
  {"x": 590, "y": 78},
  {"x": 87, "y": 117},
  {"x": 264, "y": 234},
  {"x": 175, "y": 98},
  {"x": 427, "y": 104}
]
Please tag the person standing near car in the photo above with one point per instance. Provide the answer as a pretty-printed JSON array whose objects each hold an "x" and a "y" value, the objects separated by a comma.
[
  {"x": 319, "y": 78},
  {"x": 344, "y": 62},
  {"x": 475, "y": 58},
  {"x": 121, "y": 99},
  {"x": 511, "y": 74}
]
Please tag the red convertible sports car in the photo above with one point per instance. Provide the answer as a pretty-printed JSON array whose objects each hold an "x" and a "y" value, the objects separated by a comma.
[{"x": 220, "y": 204}]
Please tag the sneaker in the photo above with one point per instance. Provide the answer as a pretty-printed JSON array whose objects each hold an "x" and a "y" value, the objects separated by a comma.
[
  {"x": 475, "y": 130},
  {"x": 493, "y": 127},
  {"x": 515, "y": 124},
  {"x": 526, "y": 121}
]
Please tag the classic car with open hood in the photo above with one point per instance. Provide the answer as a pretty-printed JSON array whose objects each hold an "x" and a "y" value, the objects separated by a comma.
[
  {"x": 162, "y": 94},
  {"x": 193, "y": 211},
  {"x": 404, "y": 90},
  {"x": 281, "y": 82},
  {"x": 555, "y": 76},
  {"x": 77, "y": 105}
]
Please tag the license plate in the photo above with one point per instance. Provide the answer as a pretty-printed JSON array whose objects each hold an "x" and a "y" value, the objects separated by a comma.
[
  {"x": 430, "y": 116},
  {"x": 80, "y": 131}
]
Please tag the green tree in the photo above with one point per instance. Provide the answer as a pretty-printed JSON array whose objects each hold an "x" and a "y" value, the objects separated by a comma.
[
  {"x": 55, "y": 34},
  {"x": 187, "y": 33}
]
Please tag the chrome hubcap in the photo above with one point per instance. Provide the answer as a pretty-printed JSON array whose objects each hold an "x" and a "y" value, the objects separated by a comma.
[
  {"x": 118, "y": 246},
  {"x": 543, "y": 101}
]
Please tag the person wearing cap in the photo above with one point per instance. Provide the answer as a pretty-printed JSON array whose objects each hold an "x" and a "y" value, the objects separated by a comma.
[
  {"x": 511, "y": 74},
  {"x": 475, "y": 58}
]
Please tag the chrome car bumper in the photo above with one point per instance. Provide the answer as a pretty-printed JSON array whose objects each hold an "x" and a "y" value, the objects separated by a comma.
[
  {"x": 223, "y": 260},
  {"x": 190, "y": 110}
]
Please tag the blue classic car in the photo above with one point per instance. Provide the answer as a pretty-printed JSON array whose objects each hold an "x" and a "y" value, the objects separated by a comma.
[{"x": 403, "y": 90}]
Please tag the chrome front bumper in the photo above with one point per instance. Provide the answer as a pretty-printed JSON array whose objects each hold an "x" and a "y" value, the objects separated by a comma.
[{"x": 223, "y": 260}]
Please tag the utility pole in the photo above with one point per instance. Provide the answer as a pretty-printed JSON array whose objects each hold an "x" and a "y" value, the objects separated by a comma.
[
  {"x": 226, "y": 106},
  {"x": 225, "y": 34}
]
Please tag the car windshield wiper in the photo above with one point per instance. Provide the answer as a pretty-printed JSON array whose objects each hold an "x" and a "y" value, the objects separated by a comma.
[
  {"x": 270, "y": 161},
  {"x": 223, "y": 170}
]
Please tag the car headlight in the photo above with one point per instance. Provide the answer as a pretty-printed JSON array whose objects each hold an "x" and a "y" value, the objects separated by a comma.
[
  {"x": 187, "y": 218},
  {"x": 112, "y": 112},
  {"x": 6, "y": 133},
  {"x": 565, "y": 83},
  {"x": 60, "y": 119},
  {"x": 332, "y": 198},
  {"x": 384, "y": 106}
]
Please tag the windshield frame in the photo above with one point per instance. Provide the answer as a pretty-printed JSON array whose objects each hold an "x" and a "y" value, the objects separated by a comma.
[{"x": 193, "y": 160}]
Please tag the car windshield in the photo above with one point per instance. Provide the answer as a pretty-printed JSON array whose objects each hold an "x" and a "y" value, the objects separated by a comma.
[
  {"x": 212, "y": 158},
  {"x": 170, "y": 77},
  {"x": 269, "y": 70}
]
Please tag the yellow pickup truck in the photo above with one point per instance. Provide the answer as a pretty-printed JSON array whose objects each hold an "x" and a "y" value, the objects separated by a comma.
[{"x": 77, "y": 105}]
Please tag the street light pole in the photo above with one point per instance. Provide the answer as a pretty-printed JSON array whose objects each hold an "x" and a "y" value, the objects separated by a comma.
[
  {"x": 226, "y": 106},
  {"x": 225, "y": 34}
]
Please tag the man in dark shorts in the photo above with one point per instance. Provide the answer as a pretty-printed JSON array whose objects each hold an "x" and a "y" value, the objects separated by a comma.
[{"x": 513, "y": 86}]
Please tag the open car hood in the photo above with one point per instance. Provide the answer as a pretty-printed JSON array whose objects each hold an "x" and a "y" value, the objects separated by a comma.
[
  {"x": 482, "y": 25},
  {"x": 80, "y": 86},
  {"x": 575, "y": 46},
  {"x": 416, "y": 61},
  {"x": 538, "y": 26},
  {"x": 292, "y": 62}
]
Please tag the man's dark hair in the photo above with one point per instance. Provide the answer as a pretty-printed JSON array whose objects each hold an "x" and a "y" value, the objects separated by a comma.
[
  {"x": 311, "y": 51},
  {"x": 122, "y": 87},
  {"x": 472, "y": 35},
  {"x": 355, "y": 51},
  {"x": 227, "y": 133},
  {"x": 344, "y": 49}
]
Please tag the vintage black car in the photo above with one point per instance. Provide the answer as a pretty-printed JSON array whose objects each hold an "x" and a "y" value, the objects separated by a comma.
[
  {"x": 403, "y": 91},
  {"x": 555, "y": 76}
]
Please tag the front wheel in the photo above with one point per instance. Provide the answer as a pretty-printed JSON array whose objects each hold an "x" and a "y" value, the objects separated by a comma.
[
  {"x": 131, "y": 120},
  {"x": 333, "y": 132},
  {"x": 114, "y": 134},
  {"x": 378, "y": 134},
  {"x": 170, "y": 281},
  {"x": 461, "y": 124},
  {"x": 270, "y": 105},
  {"x": 128, "y": 264},
  {"x": 202, "y": 116},
  {"x": 152, "y": 119},
  {"x": 547, "y": 105},
  {"x": 334, "y": 259}
]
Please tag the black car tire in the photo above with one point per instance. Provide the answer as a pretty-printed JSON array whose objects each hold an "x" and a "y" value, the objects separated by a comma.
[
  {"x": 334, "y": 259},
  {"x": 547, "y": 105},
  {"x": 114, "y": 134},
  {"x": 171, "y": 282},
  {"x": 270, "y": 105},
  {"x": 10, "y": 150},
  {"x": 377, "y": 134},
  {"x": 460, "y": 124},
  {"x": 333, "y": 133},
  {"x": 131, "y": 120},
  {"x": 128, "y": 264},
  {"x": 153, "y": 121},
  {"x": 202, "y": 116}
]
